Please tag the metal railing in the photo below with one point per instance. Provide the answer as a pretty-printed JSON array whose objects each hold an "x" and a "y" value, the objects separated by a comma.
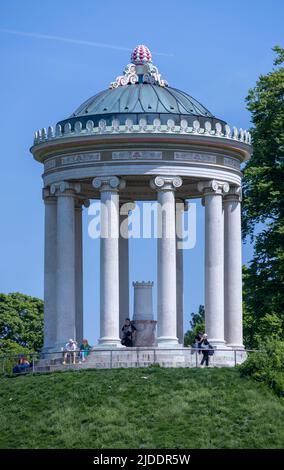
[{"x": 99, "y": 358}]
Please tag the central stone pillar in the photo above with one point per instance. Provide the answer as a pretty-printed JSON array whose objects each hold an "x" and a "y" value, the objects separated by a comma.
[
  {"x": 65, "y": 276},
  {"x": 109, "y": 259},
  {"x": 233, "y": 269},
  {"x": 214, "y": 259},
  {"x": 167, "y": 321},
  {"x": 143, "y": 317}
]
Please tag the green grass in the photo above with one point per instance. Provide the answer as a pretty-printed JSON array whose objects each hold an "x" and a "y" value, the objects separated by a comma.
[{"x": 171, "y": 408}]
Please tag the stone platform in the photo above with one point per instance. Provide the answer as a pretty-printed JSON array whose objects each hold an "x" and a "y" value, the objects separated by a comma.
[{"x": 142, "y": 357}]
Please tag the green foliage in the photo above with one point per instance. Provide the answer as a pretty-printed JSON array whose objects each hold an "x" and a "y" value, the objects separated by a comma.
[
  {"x": 21, "y": 323},
  {"x": 267, "y": 365},
  {"x": 197, "y": 325},
  {"x": 174, "y": 409},
  {"x": 263, "y": 209}
]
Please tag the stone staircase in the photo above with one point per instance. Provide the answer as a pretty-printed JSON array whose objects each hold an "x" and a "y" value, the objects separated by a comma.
[{"x": 140, "y": 357}]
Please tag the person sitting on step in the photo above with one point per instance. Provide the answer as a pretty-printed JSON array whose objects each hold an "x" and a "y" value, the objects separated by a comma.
[
  {"x": 85, "y": 349},
  {"x": 70, "y": 349}
]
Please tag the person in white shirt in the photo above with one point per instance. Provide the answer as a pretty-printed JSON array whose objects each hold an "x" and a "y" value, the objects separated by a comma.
[{"x": 70, "y": 348}]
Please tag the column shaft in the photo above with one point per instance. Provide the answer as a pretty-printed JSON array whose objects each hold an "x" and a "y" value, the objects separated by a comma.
[
  {"x": 109, "y": 260},
  {"x": 167, "y": 299},
  {"x": 214, "y": 259},
  {"x": 65, "y": 298},
  {"x": 214, "y": 268},
  {"x": 50, "y": 241},
  {"x": 123, "y": 273},
  {"x": 233, "y": 272},
  {"x": 179, "y": 273},
  {"x": 79, "y": 273}
]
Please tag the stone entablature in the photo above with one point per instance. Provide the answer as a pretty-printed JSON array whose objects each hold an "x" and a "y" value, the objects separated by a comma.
[{"x": 85, "y": 159}]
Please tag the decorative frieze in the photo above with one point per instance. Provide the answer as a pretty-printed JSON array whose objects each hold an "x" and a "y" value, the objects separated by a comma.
[
  {"x": 76, "y": 159},
  {"x": 194, "y": 157},
  {"x": 49, "y": 164},
  {"x": 233, "y": 162},
  {"x": 80, "y": 158},
  {"x": 137, "y": 155}
]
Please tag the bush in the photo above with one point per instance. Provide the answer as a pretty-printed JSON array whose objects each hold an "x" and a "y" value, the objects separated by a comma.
[{"x": 267, "y": 365}]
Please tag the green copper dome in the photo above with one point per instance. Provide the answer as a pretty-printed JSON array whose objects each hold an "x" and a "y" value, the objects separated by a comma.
[
  {"x": 140, "y": 93},
  {"x": 141, "y": 98}
]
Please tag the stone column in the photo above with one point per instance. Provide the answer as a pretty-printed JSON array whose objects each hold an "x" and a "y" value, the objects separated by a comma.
[
  {"x": 79, "y": 315},
  {"x": 167, "y": 321},
  {"x": 180, "y": 208},
  {"x": 65, "y": 276},
  {"x": 214, "y": 259},
  {"x": 78, "y": 272},
  {"x": 50, "y": 242},
  {"x": 124, "y": 312},
  {"x": 109, "y": 259},
  {"x": 233, "y": 269}
]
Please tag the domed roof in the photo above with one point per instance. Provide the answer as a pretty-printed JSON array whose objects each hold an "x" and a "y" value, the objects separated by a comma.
[
  {"x": 140, "y": 92},
  {"x": 141, "y": 98}
]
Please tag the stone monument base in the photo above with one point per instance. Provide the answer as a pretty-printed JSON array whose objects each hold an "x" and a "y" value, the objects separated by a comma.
[{"x": 145, "y": 333}]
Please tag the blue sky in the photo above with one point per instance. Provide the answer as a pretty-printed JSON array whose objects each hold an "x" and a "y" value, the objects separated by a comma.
[{"x": 216, "y": 51}]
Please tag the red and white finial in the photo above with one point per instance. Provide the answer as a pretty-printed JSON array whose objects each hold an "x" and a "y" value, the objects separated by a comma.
[{"x": 141, "y": 55}]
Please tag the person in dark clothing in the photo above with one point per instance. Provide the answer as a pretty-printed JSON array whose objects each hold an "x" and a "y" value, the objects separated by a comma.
[
  {"x": 128, "y": 332},
  {"x": 22, "y": 366},
  {"x": 198, "y": 339},
  {"x": 206, "y": 347},
  {"x": 195, "y": 346}
]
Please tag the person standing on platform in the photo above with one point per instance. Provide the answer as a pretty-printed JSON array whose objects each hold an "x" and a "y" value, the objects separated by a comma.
[{"x": 128, "y": 333}]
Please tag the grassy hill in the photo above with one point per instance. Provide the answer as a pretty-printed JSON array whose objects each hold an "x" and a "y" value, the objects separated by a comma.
[{"x": 139, "y": 408}]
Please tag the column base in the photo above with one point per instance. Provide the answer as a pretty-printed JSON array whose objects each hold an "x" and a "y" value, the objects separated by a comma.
[
  {"x": 217, "y": 343},
  {"x": 168, "y": 342},
  {"x": 235, "y": 346},
  {"x": 53, "y": 352},
  {"x": 109, "y": 343},
  {"x": 58, "y": 347}
]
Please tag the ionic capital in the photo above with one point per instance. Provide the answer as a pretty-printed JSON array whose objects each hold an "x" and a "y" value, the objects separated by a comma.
[
  {"x": 234, "y": 194},
  {"x": 65, "y": 188},
  {"x": 47, "y": 196},
  {"x": 108, "y": 183},
  {"x": 166, "y": 183},
  {"x": 213, "y": 187}
]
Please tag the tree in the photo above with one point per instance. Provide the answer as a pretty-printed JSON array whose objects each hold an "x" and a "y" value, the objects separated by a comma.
[
  {"x": 21, "y": 323},
  {"x": 263, "y": 209},
  {"x": 197, "y": 324}
]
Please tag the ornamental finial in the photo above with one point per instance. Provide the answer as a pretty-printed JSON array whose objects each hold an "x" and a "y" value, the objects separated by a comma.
[
  {"x": 140, "y": 55},
  {"x": 141, "y": 70}
]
